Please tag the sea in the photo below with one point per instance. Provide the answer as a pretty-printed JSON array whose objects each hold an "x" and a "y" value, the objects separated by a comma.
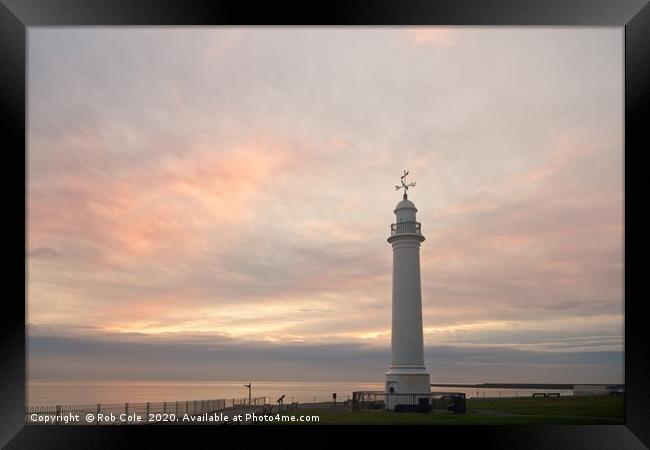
[{"x": 45, "y": 393}]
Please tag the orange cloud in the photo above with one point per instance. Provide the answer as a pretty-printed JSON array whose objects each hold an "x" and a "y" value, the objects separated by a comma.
[
  {"x": 163, "y": 206},
  {"x": 567, "y": 151}
]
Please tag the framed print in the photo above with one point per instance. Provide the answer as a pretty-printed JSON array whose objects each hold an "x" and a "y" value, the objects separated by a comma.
[{"x": 340, "y": 217}]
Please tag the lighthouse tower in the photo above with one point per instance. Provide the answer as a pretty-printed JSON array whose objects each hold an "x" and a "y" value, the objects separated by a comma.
[{"x": 406, "y": 374}]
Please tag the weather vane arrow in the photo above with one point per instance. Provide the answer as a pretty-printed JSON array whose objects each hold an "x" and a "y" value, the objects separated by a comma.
[{"x": 404, "y": 185}]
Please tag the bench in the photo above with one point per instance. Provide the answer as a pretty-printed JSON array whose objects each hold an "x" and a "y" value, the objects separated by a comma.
[{"x": 546, "y": 394}]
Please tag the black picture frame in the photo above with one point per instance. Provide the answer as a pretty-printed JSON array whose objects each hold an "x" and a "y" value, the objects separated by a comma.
[{"x": 17, "y": 15}]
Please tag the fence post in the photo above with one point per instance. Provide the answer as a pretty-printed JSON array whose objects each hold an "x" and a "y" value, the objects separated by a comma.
[{"x": 126, "y": 411}]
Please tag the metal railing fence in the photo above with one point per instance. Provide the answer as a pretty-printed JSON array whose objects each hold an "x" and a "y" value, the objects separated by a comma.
[
  {"x": 425, "y": 402},
  {"x": 143, "y": 409}
]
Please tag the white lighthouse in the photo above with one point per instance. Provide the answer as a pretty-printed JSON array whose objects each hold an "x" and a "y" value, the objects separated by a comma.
[{"x": 406, "y": 374}]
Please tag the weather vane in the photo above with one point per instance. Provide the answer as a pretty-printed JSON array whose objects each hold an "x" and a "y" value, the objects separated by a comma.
[{"x": 404, "y": 185}]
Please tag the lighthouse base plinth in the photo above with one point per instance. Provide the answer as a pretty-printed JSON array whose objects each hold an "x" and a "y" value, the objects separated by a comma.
[{"x": 406, "y": 380}]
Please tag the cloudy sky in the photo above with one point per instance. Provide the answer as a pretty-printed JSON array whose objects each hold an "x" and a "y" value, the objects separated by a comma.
[{"x": 218, "y": 200}]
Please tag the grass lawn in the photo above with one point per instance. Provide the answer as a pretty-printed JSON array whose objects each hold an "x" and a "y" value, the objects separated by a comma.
[
  {"x": 594, "y": 406},
  {"x": 539, "y": 411}
]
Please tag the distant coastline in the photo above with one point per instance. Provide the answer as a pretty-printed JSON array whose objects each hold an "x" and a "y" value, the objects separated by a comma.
[{"x": 526, "y": 385}]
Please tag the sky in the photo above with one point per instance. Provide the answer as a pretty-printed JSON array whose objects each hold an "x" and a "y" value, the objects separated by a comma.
[{"x": 213, "y": 203}]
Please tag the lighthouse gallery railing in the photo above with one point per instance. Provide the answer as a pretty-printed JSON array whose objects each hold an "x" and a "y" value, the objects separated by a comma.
[{"x": 405, "y": 227}]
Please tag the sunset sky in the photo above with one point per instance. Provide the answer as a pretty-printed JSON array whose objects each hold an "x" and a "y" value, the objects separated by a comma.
[{"x": 214, "y": 203}]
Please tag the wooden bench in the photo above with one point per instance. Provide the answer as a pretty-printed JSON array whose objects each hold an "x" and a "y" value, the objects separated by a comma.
[{"x": 546, "y": 394}]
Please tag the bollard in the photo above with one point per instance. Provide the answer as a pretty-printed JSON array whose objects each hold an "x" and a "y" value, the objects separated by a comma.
[
  {"x": 58, "y": 412},
  {"x": 99, "y": 408},
  {"x": 164, "y": 407},
  {"x": 126, "y": 411},
  {"x": 176, "y": 410},
  {"x": 187, "y": 407},
  {"x": 147, "y": 410}
]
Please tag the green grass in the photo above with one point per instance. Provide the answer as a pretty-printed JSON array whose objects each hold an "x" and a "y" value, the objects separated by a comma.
[
  {"x": 593, "y": 406},
  {"x": 524, "y": 411}
]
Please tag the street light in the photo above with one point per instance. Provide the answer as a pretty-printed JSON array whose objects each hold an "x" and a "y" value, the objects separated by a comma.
[{"x": 249, "y": 392}]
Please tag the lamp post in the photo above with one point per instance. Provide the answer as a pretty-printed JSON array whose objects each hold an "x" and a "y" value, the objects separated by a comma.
[{"x": 249, "y": 392}]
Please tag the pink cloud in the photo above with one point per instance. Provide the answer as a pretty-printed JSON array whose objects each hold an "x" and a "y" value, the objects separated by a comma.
[
  {"x": 157, "y": 208},
  {"x": 567, "y": 151},
  {"x": 434, "y": 36}
]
